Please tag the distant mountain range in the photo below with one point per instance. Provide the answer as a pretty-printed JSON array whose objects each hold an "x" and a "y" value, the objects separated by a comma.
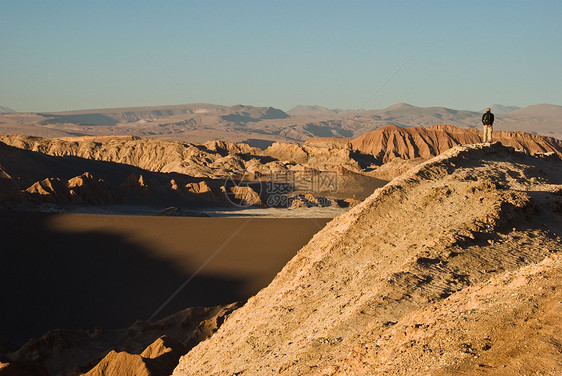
[
  {"x": 304, "y": 110},
  {"x": 501, "y": 109},
  {"x": 264, "y": 125},
  {"x": 6, "y": 110}
]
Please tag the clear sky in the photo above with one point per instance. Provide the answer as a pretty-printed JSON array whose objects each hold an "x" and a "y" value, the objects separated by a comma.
[{"x": 77, "y": 54}]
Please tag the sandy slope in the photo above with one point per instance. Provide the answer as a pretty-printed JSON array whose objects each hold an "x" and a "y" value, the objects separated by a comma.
[
  {"x": 467, "y": 230},
  {"x": 81, "y": 271},
  {"x": 508, "y": 325}
]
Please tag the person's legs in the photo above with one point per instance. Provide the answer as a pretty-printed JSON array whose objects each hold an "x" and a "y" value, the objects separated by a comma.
[{"x": 487, "y": 134}]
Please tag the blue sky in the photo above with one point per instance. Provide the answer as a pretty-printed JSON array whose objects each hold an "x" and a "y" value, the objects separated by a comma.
[{"x": 77, "y": 54}]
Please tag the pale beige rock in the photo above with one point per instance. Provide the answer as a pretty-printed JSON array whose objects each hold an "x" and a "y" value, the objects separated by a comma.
[
  {"x": 214, "y": 163},
  {"x": 80, "y": 189},
  {"x": 203, "y": 190},
  {"x": 215, "y": 159},
  {"x": 434, "y": 236},
  {"x": 158, "y": 359},
  {"x": 149, "y": 347},
  {"x": 509, "y": 325},
  {"x": 120, "y": 363},
  {"x": 354, "y": 162},
  {"x": 245, "y": 196}
]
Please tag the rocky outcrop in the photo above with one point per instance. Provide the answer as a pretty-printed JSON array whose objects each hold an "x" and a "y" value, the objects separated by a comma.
[
  {"x": 395, "y": 167},
  {"x": 522, "y": 307},
  {"x": 203, "y": 190},
  {"x": 466, "y": 230},
  {"x": 8, "y": 187},
  {"x": 143, "y": 348},
  {"x": 392, "y": 142},
  {"x": 308, "y": 201},
  {"x": 322, "y": 156},
  {"x": 355, "y": 163},
  {"x": 135, "y": 183},
  {"x": 219, "y": 161},
  {"x": 224, "y": 148},
  {"x": 214, "y": 159},
  {"x": 152, "y": 155},
  {"x": 29, "y": 178},
  {"x": 243, "y": 195},
  {"x": 86, "y": 189},
  {"x": 83, "y": 189},
  {"x": 158, "y": 359}
]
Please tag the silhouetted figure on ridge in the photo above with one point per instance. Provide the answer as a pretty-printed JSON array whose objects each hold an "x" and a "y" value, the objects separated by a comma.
[{"x": 488, "y": 121}]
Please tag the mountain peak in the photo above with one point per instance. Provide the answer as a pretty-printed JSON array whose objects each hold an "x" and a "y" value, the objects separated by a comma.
[
  {"x": 6, "y": 110},
  {"x": 501, "y": 109},
  {"x": 399, "y": 106}
]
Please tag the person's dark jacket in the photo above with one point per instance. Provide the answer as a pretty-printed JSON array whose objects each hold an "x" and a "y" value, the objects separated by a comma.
[{"x": 488, "y": 118}]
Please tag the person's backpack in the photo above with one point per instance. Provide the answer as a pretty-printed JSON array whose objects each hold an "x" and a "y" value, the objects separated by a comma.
[{"x": 488, "y": 118}]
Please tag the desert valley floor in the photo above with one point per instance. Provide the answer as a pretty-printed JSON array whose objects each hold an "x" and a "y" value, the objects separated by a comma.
[{"x": 80, "y": 271}]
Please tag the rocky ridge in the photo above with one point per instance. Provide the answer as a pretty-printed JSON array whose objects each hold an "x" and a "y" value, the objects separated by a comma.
[
  {"x": 28, "y": 177},
  {"x": 457, "y": 236},
  {"x": 356, "y": 166},
  {"x": 143, "y": 348},
  {"x": 83, "y": 189},
  {"x": 219, "y": 159},
  {"x": 214, "y": 159},
  {"x": 199, "y": 171},
  {"x": 392, "y": 142}
]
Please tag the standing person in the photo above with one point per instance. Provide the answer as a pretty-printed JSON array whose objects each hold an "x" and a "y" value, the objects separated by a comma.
[{"x": 488, "y": 121}]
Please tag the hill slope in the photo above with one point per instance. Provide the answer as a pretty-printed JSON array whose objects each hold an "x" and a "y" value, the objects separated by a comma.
[
  {"x": 6, "y": 110},
  {"x": 214, "y": 162},
  {"x": 456, "y": 231},
  {"x": 391, "y": 142},
  {"x": 346, "y": 159},
  {"x": 32, "y": 176}
]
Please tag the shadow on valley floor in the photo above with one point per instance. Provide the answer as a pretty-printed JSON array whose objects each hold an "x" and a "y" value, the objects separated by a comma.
[
  {"x": 80, "y": 271},
  {"x": 51, "y": 279}
]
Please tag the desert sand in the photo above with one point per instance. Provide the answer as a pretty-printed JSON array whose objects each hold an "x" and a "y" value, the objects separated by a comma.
[{"x": 80, "y": 271}]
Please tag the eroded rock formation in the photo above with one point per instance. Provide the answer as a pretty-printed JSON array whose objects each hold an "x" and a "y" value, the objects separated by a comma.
[{"x": 427, "y": 275}]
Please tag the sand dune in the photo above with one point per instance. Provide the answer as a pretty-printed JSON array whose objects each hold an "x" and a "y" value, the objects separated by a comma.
[{"x": 77, "y": 271}]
